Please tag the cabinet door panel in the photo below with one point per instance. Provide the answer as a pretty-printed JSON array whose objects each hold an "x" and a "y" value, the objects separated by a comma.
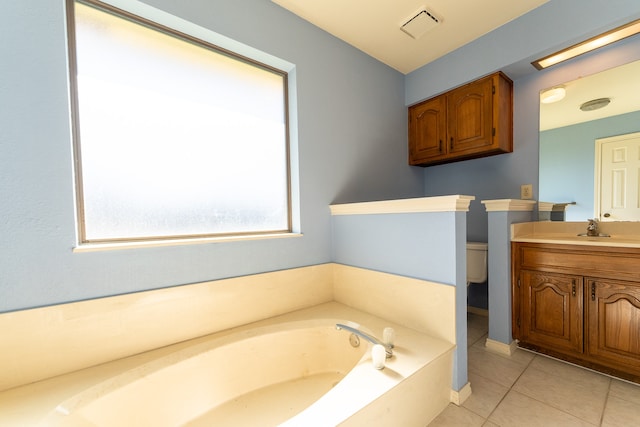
[
  {"x": 427, "y": 127},
  {"x": 470, "y": 110},
  {"x": 614, "y": 321},
  {"x": 552, "y": 310}
]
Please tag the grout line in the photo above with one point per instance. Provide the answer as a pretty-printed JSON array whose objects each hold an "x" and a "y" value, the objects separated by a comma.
[
  {"x": 510, "y": 388},
  {"x": 606, "y": 400},
  {"x": 550, "y": 405},
  {"x": 528, "y": 365},
  {"x": 574, "y": 365}
]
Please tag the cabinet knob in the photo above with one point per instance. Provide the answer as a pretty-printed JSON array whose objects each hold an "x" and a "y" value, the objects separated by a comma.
[{"x": 607, "y": 215}]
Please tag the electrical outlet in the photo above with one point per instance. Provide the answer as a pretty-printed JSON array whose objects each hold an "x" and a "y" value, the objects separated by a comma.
[{"x": 526, "y": 191}]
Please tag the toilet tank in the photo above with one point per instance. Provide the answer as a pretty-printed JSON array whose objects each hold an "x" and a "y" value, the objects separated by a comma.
[{"x": 476, "y": 262}]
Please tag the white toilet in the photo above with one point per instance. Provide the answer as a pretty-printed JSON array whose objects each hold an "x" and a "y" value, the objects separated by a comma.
[{"x": 476, "y": 262}]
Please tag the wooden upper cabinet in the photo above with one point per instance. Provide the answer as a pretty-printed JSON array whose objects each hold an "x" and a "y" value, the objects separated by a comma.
[{"x": 474, "y": 120}]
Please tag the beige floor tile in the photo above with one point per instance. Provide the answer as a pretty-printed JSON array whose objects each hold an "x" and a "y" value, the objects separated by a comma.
[
  {"x": 494, "y": 367},
  {"x": 573, "y": 390},
  {"x": 477, "y": 321},
  {"x": 457, "y": 416},
  {"x": 522, "y": 357},
  {"x": 485, "y": 395},
  {"x": 518, "y": 410},
  {"x": 620, "y": 413},
  {"x": 475, "y": 336},
  {"x": 564, "y": 369},
  {"x": 625, "y": 391},
  {"x": 490, "y": 424}
]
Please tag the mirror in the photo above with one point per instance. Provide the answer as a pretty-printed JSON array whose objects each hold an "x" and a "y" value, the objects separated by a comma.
[{"x": 568, "y": 137}]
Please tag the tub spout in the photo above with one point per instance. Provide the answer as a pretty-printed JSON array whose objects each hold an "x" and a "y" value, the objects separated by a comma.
[{"x": 373, "y": 340}]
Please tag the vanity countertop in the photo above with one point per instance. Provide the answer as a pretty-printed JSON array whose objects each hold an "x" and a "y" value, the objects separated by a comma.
[{"x": 622, "y": 234}]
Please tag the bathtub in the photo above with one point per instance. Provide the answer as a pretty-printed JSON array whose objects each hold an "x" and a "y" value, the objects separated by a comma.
[
  {"x": 291, "y": 370},
  {"x": 261, "y": 376}
]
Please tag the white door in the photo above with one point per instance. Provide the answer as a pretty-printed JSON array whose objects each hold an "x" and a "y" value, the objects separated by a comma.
[{"x": 617, "y": 178}]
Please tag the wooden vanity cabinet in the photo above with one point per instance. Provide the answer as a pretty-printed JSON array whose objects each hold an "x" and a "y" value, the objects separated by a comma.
[
  {"x": 579, "y": 303},
  {"x": 474, "y": 120}
]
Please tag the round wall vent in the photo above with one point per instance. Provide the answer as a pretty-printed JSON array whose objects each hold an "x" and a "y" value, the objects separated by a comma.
[{"x": 595, "y": 104}]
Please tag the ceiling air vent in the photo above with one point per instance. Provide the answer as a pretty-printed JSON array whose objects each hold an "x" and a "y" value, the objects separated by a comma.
[
  {"x": 420, "y": 23},
  {"x": 595, "y": 104}
]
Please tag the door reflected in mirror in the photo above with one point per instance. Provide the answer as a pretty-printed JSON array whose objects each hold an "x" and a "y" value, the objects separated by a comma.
[{"x": 570, "y": 157}]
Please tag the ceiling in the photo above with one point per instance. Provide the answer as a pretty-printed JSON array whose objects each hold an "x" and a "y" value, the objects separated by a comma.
[
  {"x": 621, "y": 84},
  {"x": 373, "y": 26}
]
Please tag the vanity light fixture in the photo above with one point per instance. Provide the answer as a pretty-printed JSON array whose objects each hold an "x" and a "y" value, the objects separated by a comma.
[
  {"x": 627, "y": 30},
  {"x": 554, "y": 94}
]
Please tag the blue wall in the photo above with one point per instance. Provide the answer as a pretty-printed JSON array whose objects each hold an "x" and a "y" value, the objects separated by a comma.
[
  {"x": 511, "y": 48},
  {"x": 425, "y": 245},
  {"x": 567, "y": 159},
  {"x": 351, "y": 136},
  {"x": 351, "y": 147},
  {"x": 419, "y": 245},
  {"x": 500, "y": 272}
]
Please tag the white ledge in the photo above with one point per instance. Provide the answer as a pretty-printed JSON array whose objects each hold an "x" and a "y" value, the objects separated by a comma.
[
  {"x": 552, "y": 207},
  {"x": 455, "y": 203},
  {"x": 509, "y": 205},
  {"x": 95, "y": 247}
]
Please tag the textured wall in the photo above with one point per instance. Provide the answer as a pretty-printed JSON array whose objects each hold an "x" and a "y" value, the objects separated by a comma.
[
  {"x": 511, "y": 48},
  {"x": 351, "y": 145}
]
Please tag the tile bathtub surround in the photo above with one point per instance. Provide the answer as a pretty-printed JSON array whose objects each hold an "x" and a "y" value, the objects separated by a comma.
[
  {"x": 44, "y": 342},
  {"x": 41, "y": 343},
  {"x": 425, "y": 306},
  {"x": 528, "y": 389}
]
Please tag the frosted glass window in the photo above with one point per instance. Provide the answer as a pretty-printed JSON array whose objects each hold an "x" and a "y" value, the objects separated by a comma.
[{"x": 173, "y": 138}]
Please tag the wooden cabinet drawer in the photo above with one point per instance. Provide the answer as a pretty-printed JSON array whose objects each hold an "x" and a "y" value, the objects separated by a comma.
[{"x": 621, "y": 263}]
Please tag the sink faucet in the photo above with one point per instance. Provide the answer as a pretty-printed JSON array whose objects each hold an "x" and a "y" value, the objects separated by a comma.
[
  {"x": 592, "y": 228},
  {"x": 373, "y": 340}
]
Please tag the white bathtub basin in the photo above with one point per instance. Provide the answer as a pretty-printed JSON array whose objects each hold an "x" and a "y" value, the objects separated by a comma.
[
  {"x": 261, "y": 376},
  {"x": 292, "y": 370}
]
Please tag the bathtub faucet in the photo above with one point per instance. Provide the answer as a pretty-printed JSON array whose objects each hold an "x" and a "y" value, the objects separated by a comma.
[{"x": 373, "y": 340}]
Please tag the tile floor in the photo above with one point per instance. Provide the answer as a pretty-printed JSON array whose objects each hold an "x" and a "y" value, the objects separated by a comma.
[{"x": 527, "y": 389}]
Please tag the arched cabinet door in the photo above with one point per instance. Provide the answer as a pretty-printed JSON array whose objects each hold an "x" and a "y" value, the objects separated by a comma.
[
  {"x": 613, "y": 322},
  {"x": 427, "y": 131},
  {"x": 552, "y": 310},
  {"x": 471, "y": 118}
]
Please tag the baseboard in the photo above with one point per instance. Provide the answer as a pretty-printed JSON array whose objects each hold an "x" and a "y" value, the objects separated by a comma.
[
  {"x": 458, "y": 397},
  {"x": 500, "y": 347}
]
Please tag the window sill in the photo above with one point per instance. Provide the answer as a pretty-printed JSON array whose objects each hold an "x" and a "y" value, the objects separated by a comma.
[{"x": 95, "y": 247}]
